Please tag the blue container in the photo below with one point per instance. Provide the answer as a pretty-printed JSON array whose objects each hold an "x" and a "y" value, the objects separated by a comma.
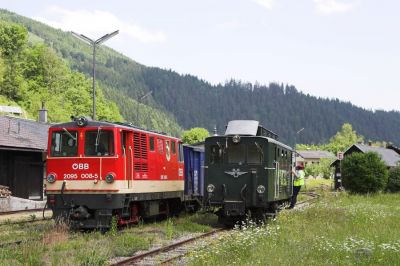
[{"x": 194, "y": 170}]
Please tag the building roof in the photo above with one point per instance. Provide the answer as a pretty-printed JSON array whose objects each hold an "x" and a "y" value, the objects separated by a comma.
[
  {"x": 22, "y": 134},
  {"x": 316, "y": 154},
  {"x": 389, "y": 156},
  {"x": 10, "y": 109}
]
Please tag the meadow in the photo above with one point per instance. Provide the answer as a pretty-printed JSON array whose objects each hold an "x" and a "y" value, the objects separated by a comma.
[{"x": 340, "y": 229}]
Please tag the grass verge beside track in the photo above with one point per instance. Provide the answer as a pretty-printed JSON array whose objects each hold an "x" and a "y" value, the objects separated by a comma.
[
  {"x": 45, "y": 243},
  {"x": 340, "y": 229}
]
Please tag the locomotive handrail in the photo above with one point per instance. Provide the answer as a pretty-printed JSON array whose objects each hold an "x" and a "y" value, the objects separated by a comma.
[{"x": 244, "y": 188}]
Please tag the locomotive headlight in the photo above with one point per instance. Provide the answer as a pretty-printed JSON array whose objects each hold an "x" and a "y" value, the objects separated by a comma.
[
  {"x": 110, "y": 178},
  {"x": 81, "y": 121},
  {"x": 260, "y": 189},
  {"x": 210, "y": 188},
  {"x": 51, "y": 178},
  {"x": 236, "y": 139}
]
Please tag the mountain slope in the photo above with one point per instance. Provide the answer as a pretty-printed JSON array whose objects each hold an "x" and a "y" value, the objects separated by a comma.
[{"x": 194, "y": 102}]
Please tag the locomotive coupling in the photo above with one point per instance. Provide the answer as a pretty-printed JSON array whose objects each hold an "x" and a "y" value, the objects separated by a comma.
[{"x": 80, "y": 213}]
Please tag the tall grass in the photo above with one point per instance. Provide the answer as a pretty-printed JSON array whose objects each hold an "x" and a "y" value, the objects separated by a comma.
[{"x": 339, "y": 230}]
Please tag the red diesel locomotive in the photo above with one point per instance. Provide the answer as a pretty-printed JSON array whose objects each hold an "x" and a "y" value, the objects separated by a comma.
[{"x": 97, "y": 170}]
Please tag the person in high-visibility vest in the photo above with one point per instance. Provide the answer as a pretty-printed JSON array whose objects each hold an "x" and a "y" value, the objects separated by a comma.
[{"x": 299, "y": 175}]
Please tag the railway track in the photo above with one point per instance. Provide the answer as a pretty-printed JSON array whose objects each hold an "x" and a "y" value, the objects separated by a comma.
[
  {"x": 314, "y": 196},
  {"x": 167, "y": 254},
  {"x": 22, "y": 211},
  {"x": 24, "y": 216}
]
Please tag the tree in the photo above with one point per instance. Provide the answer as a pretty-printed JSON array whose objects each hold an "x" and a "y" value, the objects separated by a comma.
[
  {"x": 364, "y": 172},
  {"x": 195, "y": 135},
  {"x": 322, "y": 168},
  {"x": 12, "y": 38},
  {"x": 343, "y": 139},
  {"x": 393, "y": 184}
]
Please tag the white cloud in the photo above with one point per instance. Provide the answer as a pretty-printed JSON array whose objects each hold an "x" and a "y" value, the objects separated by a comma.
[
  {"x": 327, "y": 7},
  {"x": 268, "y": 4},
  {"x": 96, "y": 23}
]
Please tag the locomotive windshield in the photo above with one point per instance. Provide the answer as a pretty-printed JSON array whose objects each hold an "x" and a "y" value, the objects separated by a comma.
[
  {"x": 241, "y": 153},
  {"x": 64, "y": 143},
  {"x": 236, "y": 153},
  {"x": 99, "y": 143}
]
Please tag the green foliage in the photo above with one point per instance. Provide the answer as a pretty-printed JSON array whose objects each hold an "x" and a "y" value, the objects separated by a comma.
[
  {"x": 12, "y": 38},
  {"x": 30, "y": 75},
  {"x": 322, "y": 168},
  {"x": 343, "y": 139},
  {"x": 364, "y": 173},
  {"x": 195, "y": 135},
  {"x": 393, "y": 184}
]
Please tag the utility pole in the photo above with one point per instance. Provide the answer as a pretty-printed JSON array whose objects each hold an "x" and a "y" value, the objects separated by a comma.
[
  {"x": 138, "y": 103},
  {"x": 94, "y": 43}
]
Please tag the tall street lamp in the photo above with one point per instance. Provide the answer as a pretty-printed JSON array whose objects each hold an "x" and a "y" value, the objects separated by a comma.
[
  {"x": 141, "y": 98},
  {"x": 295, "y": 139},
  {"x": 94, "y": 43}
]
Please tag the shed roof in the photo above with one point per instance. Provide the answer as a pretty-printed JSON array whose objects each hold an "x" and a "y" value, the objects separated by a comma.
[
  {"x": 315, "y": 154},
  {"x": 390, "y": 157},
  {"x": 17, "y": 133}
]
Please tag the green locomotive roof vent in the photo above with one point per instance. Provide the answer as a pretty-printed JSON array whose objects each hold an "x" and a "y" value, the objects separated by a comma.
[{"x": 248, "y": 128}]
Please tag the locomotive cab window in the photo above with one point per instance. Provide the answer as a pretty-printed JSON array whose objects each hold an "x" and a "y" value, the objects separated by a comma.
[
  {"x": 64, "y": 144},
  {"x": 173, "y": 147},
  {"x": 254, "y": 153},
  {"x": 151, "y": 140},
  {"x": 236, "y": 153},
  {"x": 99, "y": 143},
  {"x": 215, "y": 154},
  {"x": 181, "y": 158}
]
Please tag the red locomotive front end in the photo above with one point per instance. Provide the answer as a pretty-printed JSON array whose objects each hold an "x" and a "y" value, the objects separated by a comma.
[{"x": 96, "y": 170}]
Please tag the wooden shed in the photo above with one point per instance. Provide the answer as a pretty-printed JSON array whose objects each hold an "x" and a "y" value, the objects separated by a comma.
[{"x": 23, "y": 144}]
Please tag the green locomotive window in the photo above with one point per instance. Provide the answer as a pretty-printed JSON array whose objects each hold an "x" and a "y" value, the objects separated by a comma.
[
  {"x": 99, "y": 143},
  {"x": 64, "y": 143},
  {"x": 254, "y": 154},
  {"x": 236, "y": 153},
  {"x": 215, "y": 154}
]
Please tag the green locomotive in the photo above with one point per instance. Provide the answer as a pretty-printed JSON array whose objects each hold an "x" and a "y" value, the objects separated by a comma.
[{"x": 247, "y": 172}]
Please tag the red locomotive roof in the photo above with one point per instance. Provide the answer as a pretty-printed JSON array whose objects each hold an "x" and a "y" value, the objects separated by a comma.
[{"x": 92, "y": 123}]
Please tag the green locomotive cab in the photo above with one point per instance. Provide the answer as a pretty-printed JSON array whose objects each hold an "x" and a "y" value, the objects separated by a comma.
[{"x": 247, "y": 172}]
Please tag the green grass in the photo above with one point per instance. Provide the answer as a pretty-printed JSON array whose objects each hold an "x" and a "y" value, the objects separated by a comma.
[
  {"x": 56, "y": 245},
  {"x": 338, "y": 230}
]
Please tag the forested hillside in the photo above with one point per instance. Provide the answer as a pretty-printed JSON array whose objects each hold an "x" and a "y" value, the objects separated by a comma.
[
  {"x": 119, "y": 77},
  {"x": 189, "y": 101},
  {"x": 32, "y": 73}
]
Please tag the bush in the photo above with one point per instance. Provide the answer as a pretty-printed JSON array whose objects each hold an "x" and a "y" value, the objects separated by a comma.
[
  {"x": 364, "y": 173},
  {"x": 393, "y": 184}
]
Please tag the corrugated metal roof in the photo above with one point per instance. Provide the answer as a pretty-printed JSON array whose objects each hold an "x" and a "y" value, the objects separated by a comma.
[
  {"x": 390, "y": 157},
  {"x": 242, "y": 127},
  {"x": 315, "y": 154},
  {"x": 10, "y": 109},
  {"x": 23, "y": 133}
]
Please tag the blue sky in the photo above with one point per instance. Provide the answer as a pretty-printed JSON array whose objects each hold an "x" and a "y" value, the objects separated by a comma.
[{"x": 346, "y": 49}]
